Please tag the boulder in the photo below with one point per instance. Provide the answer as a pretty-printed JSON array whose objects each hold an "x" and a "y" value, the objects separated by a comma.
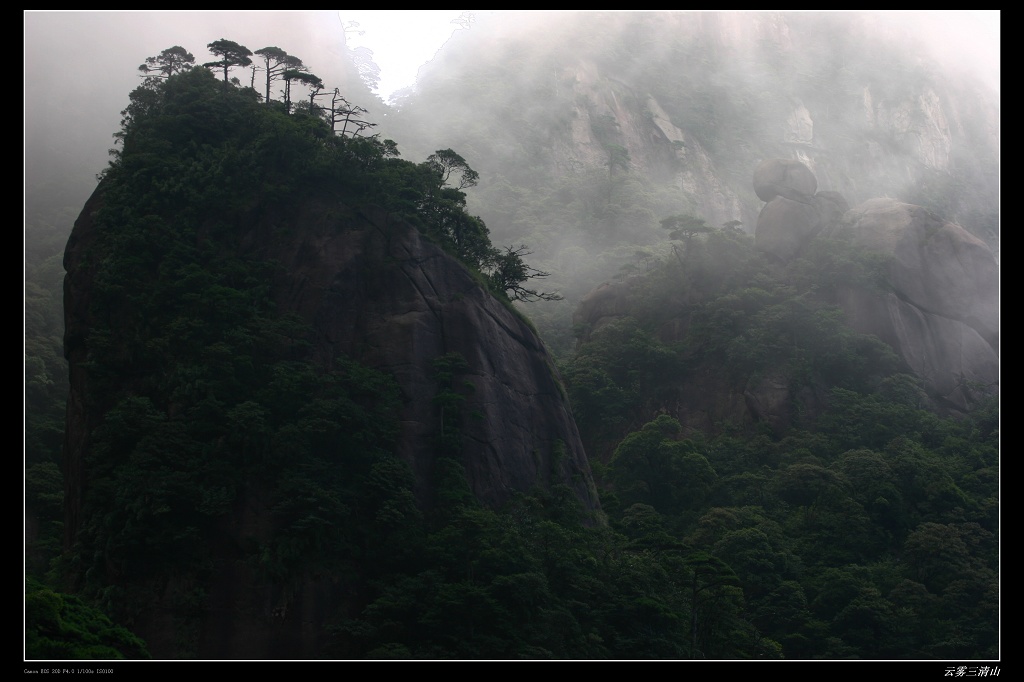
[
  {"x": 784, "y": 226},
  {"x": 832, "y": 206},
  {"x": 794, "y": 214},
  {"x": 785, "y": 178}
]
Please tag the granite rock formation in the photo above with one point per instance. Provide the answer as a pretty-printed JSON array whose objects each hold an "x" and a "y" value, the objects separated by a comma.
[
  {"x": 377, "y": 290},
  {"x": 795, "y": 211},
  {"x": 940, "y": 311},
  {"x": 371, "y": 287}
]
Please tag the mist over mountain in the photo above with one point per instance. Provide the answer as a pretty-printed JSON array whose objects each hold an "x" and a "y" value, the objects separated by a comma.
[
  {"x": 620, "y": 335},
  {"x": 589, "y": 128}
]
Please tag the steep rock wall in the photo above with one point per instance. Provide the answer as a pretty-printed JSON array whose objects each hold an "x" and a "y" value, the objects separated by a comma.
[
  {"x": 373, "y": 288},
  {"x": 942, "y": 315}
]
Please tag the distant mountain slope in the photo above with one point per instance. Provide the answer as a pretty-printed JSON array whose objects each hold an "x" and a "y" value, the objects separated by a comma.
[{"x": 591, "y": 127}]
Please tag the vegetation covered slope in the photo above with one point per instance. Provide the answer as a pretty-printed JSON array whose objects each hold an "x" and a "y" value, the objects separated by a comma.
[
  {"x": 211, "y": 441},
  {"x": 198, "y": 392},
  {"x": 836, "y": 526}
]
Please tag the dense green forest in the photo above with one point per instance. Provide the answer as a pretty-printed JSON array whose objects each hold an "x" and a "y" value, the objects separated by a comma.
[{"x": 869, "y": 529}]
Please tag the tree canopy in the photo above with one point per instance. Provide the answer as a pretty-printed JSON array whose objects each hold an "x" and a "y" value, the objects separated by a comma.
[
  {"x": 169, "y": 62},
  {"x": 440, "y": 209},
  {"x": 231, "y": 54},
  {"x": 275, "y": 62},
  {"x": 448, "y": 163}
]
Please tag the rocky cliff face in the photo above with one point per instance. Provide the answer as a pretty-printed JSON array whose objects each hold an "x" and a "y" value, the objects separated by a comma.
[
  {"x": 373, "y": 288},
  {"x": 942, "y": 313},
  {"x": 657, "y": 148},
  {"x": 377, "y": 290}
]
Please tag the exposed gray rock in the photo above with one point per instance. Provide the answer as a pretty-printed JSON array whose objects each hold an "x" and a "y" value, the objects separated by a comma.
[
  {"x": 855, "y": 133},
  {"x": 936, "y": 266},
  {"x": 794, "y": 214},
  {"x": 942, "y": 315},
  {"x": 831, "y": 206},
  {"x": 374, "y": 288},
  {"x": 377, "y": 290},
  {"x": 953, "y": 361},
  {"x": 784, "y": 226},
  {"x": 799, "y": 126},
  {"x": 785, "y": 178},
  {"x": 769, "y": 400}
]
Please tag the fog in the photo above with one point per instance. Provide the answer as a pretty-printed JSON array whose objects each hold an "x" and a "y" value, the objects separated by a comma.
[
  {"x": 401, "y": 41},
  {"x": 80, "y": 66},
  {"x": 498, "y": 92}
]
